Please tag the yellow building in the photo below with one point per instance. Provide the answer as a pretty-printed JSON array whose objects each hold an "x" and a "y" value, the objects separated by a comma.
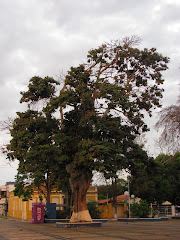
[
  {"x": 108, "y": 210},
  {"x": 23, "y": 209}
]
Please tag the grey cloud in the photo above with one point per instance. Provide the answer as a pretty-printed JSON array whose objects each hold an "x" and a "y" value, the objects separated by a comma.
[
  {"x": 170, "y": 13},
  {"x": 45, "y": 37}
]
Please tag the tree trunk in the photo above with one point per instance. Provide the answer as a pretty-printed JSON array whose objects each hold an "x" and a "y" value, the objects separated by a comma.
[
  {"x": 48, "y": 196},
  {"x": 68, "y": 203},
  {"x": 79, "y": 188},
  {"x": 48, "y": 189}
]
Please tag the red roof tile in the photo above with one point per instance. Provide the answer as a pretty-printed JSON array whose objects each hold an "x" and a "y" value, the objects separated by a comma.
[{"x": 119, "y": 198}]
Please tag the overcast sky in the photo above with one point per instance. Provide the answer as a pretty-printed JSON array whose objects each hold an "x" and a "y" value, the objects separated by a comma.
[{"x": 47, "y": 37}]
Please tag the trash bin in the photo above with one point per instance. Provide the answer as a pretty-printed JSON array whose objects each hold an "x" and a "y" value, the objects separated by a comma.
[
  {"x": 37, "y": 213},
  {"x": 51, "y": 210}
]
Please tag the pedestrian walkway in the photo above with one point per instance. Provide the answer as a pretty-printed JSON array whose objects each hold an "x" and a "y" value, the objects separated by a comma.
[{"x": 12, "y": 229}]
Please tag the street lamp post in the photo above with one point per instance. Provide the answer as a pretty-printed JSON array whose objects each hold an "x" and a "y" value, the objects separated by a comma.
[{"x": 132, "y": 197}]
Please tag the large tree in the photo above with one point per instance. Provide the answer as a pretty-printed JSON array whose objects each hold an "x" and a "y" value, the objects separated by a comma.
[{"x": 102, "y": 107}]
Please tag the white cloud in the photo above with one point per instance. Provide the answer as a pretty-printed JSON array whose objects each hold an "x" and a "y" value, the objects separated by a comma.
[{"x": 175, "y": 27}]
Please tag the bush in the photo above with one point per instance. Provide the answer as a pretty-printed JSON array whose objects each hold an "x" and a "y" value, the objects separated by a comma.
[
  {"x": 141, "y": 210},
  {"x": 93, "y": 210},
  {"x": 62, "y": 214}
]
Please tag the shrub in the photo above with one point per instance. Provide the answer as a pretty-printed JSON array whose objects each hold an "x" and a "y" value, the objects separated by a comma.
[
  {"x": 62, "y": 214},
  {"x": 141, "y": 210},
  {"x": 93, "y": 210}
]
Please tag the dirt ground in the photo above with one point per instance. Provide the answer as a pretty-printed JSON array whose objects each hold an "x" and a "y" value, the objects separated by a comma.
[{"x": 17, "y": 229}]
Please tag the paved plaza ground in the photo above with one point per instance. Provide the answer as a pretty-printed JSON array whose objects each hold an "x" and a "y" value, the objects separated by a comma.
[{"x": 16, "y": 229}]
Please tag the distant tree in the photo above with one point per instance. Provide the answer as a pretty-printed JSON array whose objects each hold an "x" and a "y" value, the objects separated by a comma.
[
  {"x": 172, "y": 167},
  {"x": 158, "y": 180},
  {"x": 106, "y": 191},
  {"x": 149, "y": 181},
  {"x": 169, "y": 125}
]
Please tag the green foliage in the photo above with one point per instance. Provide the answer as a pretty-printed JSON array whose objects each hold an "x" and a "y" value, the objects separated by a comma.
[
  {"x": 149, "y": 181},
  {"x": 141, "y": 210},
  {"x": 22, "y": 190},
  {"x": 102, "y": 196},
  {"x": 158, "y": 180},
  {"x": 39, "y": 88},
  {"x": 93, "y": 210},
  {"x": 103, "y": 104},
  {"x": 172, "y": 173},
  {"x": 33, "y": 145},
  {"x": 33, "y": 142}
]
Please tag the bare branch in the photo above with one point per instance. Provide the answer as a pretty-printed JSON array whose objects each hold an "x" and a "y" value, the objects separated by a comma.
[
  {"x": 169, "y": 125},
  {"x": 6, "y": 124}
]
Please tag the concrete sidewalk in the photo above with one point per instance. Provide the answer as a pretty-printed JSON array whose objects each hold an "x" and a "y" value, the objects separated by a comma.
[{"x": 16, "y": 229}]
